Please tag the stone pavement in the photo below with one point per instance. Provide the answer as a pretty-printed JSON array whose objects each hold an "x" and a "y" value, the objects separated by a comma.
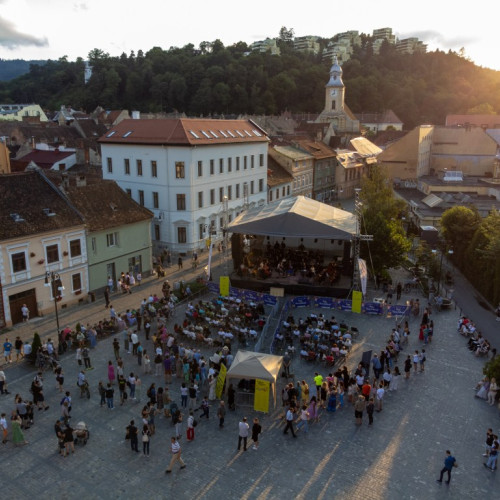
[{"x": 399, "y": 458}]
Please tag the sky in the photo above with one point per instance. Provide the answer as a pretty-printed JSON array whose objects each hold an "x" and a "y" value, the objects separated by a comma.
[{"x": 50, "y": 29}]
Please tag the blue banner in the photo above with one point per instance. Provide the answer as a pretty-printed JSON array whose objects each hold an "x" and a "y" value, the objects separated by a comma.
[
  {"x": 345, "y": 305},
  {"x": 400, "y": 310},
  {"x": 300, "y": 302},
  {"x": 325, "y": 302},
  {"x": 373, "y": 308},
  {"x": 213, "y": 287},
  {"x": 270, "y": 300}
]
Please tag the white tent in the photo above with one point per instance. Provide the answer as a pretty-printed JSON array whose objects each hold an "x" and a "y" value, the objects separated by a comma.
[
  {"x": 297, "y": 216},
  {"x": 256, "y": 365}
]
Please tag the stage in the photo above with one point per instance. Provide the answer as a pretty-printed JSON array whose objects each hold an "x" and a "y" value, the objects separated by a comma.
[{"x": 293, "y": 285}]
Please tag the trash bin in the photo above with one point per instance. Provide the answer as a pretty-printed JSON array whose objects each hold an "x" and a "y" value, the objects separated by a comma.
[{"x": 92, "y": 296}]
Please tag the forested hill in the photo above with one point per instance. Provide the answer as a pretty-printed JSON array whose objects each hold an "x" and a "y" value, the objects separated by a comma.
[
  {"x": 213, "y": 79},
  {"x": 12, "y": 68}
]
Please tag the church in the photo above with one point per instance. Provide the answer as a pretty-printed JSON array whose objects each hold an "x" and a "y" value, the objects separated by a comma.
[{"x": 336, "y": 113}]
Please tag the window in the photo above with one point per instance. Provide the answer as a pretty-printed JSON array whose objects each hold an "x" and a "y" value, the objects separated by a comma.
[
  {"x": 237, "y": 163},
  {"x": 261, "y": 160},
  {"x": 179, "y": 170},
  {"x": 200, "y": 199},
  {"x": 288, "y": 190},
  {"x": 110, "y": 165},
  {"x": 75, "y": 248},
  {"x": 237, "y": 191},
  {"x": 18, "y": 262},
  {"x": 271, "y": 195},
  {"x": 221, "y": 194},
  {"x": 94, "y": 244},
  {"x": 221, "y": 166},
  {"x": 154, "y": 169},
  {"x": 251, "y": 187},
  {"x": 200, "y": 231},
  {"x": 278, "y": 193},
  {"x": 156, "y": 202},
  {"x": 128, "y": 191},
  {"x": 200, "y": 168},
  {"x": 181, "y": 202},
  {"x": 244, "y": 163},
  {"x": 127, "y": 166},
  {"x": 139, "y": 167},
  {"x": 283, "y": 190},
  {"x": 76, "y": 282},
  {"x": 52, "y": 252},
  {"x": 212, "y": 196},
  {"x": 230, "y": 192},
  {"x": 141, "y": 197},
  {"x": 229, "y": 165},
  {"x": 212, "y": 167},
  {"x": 157, "y": 232},
  {"x": 112, "y": 239},
  {"x": 252, "y": 161},
  {"x": 261, "y": 185},
  {"x": 181, "y": 235}
]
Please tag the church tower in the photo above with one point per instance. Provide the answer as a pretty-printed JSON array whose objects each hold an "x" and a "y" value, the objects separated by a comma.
[{"x": 334, "y": 90}]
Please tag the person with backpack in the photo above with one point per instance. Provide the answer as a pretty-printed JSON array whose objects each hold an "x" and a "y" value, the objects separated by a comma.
[{"x": 109, "y": 396}]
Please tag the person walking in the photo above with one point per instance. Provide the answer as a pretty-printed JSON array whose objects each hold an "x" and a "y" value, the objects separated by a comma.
[
  {"x": 132, "y": 432},
  {"x": 256, "y": 430},
  {"x": 493, "y": 455},
  {"x": 111, "y": 372},
  {"x": 221, "y": 414},
  {"x": 176, "y": 455},
  {"x": 303, "y": 419},
  {"x": 243, "y": 429},
  {"x": 179, "y": 263},
  {"x": 370, "y": 407},
  {"x": 109, "y": 397},
  {"x": 146, "y": 437},
  {"x": 190, "y": 426},
  {"x": 449, "y": 463},
  {"x": 289, "y": 421},
  {"x": 359, "y": 408},
  {"x": 106, "y": 297},
  {"x": 86, "y": 358},
  {"x": 4, "y": 428}
]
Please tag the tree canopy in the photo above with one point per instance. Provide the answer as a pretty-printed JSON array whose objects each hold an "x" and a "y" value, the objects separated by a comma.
[{"x": 211, "y": 79}]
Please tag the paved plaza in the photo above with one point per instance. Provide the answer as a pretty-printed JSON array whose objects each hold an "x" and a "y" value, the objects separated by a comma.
[{"x": 399, "y": 457}]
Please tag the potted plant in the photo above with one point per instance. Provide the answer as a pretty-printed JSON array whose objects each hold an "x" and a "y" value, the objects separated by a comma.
[
  {"x": 65, "y": 253},
  {"x": 41, "y": 261},
  {"x": 32, "y": 254},
  {"x": 78, "y": 292}
]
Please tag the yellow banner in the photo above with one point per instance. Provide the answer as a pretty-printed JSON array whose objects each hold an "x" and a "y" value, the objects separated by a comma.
[
  {"x": 261, "y": 400},
  {"x": 357, "y": 298},
  {"x": 220, "y": 381},
  {"x": 224, "y": 286}
]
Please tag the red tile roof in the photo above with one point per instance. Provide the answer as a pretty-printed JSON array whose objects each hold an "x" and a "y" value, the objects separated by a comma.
[
  {"x": 44, "y": 159},
  {"x": 184, "y": 131},
  {"x": 490, "y": 121}
]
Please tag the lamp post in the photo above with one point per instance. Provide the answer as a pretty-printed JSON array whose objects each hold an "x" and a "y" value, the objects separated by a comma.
[
  {"x": 449, "y": 252},
  {"x": 53, "y": 280}
]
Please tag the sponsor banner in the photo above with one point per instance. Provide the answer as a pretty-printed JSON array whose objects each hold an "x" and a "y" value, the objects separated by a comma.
[
  {"x": 373, "y": 308},
  {"x": 261, "y": 398},
  {"x": 300, "y": 302},
  {"x": 357, "y": 298},
  {"x": 399, "y": 310},
  {"x": 326, "y": 302},
  {"x": 221, "y": 378},
  {"x": 345, "y": 305},
  {"x": 270, "y": 300}
]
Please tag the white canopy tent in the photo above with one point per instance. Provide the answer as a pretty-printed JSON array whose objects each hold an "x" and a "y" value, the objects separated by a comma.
[
  {"x": 297, "y": 216},
  {"x": 256, "y": 365}
]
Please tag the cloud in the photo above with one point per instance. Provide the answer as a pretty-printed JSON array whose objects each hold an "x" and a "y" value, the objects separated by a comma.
[
  {"x": 435, "y": 38},
  {"x": 11, "y": 38}
]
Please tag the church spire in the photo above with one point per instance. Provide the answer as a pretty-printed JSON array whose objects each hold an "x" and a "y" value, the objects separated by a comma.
[{"x": 335, "y": 75}]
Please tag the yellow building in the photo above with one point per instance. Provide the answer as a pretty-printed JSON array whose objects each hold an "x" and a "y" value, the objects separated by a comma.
[
  {"x": 19, "y": 112},
  {"x": 40, "y": 234}
]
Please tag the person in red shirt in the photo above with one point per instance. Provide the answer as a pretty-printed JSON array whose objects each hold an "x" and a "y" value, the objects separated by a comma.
[{"x": 366, "y": 390}]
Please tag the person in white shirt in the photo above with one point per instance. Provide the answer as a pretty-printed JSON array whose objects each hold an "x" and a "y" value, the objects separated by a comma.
[
  {"x": 176, "y": 455},
  {"x": 289, "y": 421},
  {"x": 380, "y": 396},
  {"x": 243, "y": 429},
  {"x": 3, "y": 427}
]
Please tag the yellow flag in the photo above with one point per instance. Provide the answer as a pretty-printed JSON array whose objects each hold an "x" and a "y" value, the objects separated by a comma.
[
  {"x": 357, "y": 298},
  {"x": 219, "y": 385},
  {"x": 261, "y": 399},
  {"x": 224, "y": 286}
]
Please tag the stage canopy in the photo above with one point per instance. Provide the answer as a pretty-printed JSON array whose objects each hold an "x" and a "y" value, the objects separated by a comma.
[{"x": 297, "y": 216}]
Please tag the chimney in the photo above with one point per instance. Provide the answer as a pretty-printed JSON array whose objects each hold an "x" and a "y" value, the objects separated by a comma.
[{"x": 81, "y": 181}]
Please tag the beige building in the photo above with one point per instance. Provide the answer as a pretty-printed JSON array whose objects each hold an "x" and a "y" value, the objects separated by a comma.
[
  {"x": 4, "y": 158},
  {"x": 279, "y": 181},
  {"x": 20, "y": 112},
  {"x": 40, "y": 233},
  {"x": 409, "y": 157},
  {"x": 298, "y": 164}
]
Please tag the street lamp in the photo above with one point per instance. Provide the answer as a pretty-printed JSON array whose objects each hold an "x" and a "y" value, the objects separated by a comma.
[
  {"x": 53, "y": 280},
  {"x": 434, "y": 251}
]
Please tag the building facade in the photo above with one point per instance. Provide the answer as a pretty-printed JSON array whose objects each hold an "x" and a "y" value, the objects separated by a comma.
[{"x": 195, "y": 175}]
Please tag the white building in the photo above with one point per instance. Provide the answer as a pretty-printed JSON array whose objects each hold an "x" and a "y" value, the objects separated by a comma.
[{"x": 184, "y": 169}]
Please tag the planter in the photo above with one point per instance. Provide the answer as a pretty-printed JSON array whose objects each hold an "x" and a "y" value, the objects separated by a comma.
[
  {"x": 41, "y": 261},
  {"x": 78, "y": 292},
  {"x": 65, "y": 253},
  {"x": 32, "y": 254}
]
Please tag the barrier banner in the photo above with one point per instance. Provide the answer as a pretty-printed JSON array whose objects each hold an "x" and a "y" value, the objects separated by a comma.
[
  {"x": 213, "y": 287},
  {"x": 345, "y": 305},
  {"x": 399, "y": 310},
  {"x": 261, "y": 398},
  {"x": 326, "y": 302},
  {"x": 224, "y": 286},
  {"x": 373, "y": 308},
  {"x": 221, "y": 378},
  {"x": 357, "y": 298},
  {"x": 300, "y": 302},
  {"x": 270, "y": 300}
]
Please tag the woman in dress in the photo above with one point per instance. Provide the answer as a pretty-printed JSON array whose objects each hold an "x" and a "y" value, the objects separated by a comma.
[
  {"x": 111, "y": 372},
  {"x": 17, "y": 433},
  {"x": 492, "y": 391},
  {"x": 211, "y": 389},
  {"x": 332, "y": 399},
  {"x": 146, "y": 362},
  {"x": 482, "y": 388},
  {"x": 313, "y": 410},
  {"x": 304, "y": 393}
]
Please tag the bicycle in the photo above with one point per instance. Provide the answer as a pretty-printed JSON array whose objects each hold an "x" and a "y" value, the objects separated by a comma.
[{"x": 85, "y": 390}]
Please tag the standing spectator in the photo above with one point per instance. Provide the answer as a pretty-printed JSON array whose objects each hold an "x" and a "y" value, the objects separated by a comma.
[
  {"x": 109, "y": 396},
  {"x": 498, "y": 312},
  {"x": 256, "y": 430},
  {"x": 318, "y": 380},
  {"x": 18, "y": 345},
  {"x": 190, "y": 426},
  {"x": 303, "y": 419},
  {"x": 492, "y": 459},
  {"x": 176, "y": 455},
  {"x": 416, "y": 360},
  {"x": 146, "y": 436},
  {"x": 380, "y": 396},
  {"x": 3, "y": 428},
  {"x": 399, "y": 289},
  {"x": 25, "y": 313},
  {"x": 132, "y": 432},
  {"x": 184, "y": 395},
  {"x": 377, "y": 367},
  {"x": 17, "y": 433},
  {"x": 287, "y": 361},
  {"x": 139, "y": 279},
  {"x": 135, "y": 342},
  {"x": 86, "y": 358},
  {"x": 407, "y": 367},
  {"x": 289, "y": 421},
  {"x": 116, "y": 348},
  {"x": 131, "y": 384},
  {"x": 221, "y": 414},
  {"x": 369, "y": 411},
  {"x": 205, "y": 407},
  {"x": 492, "y": 391},
  {"x": 111, "y": 372},
  {"x": 192, "y": 395},
  {"x": 111, "y": 284},
  {"x": 69, "y": 442},
  {"x": 359, "y": 408},
  {"x": 106, "y": 297},
  {"x": 179, "y": 263},
  {"x": 7, "y": 351},
  {"x": 449, "y": 463},
  {"x": 243, "y": 428},
  {"x": 102, "y": 393},
  {"x": 489, "y": 442},
  {"x": 78, "y": 355},
  {"x": 147, "y": 327},
  {"x": 3, "y": 383}
]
